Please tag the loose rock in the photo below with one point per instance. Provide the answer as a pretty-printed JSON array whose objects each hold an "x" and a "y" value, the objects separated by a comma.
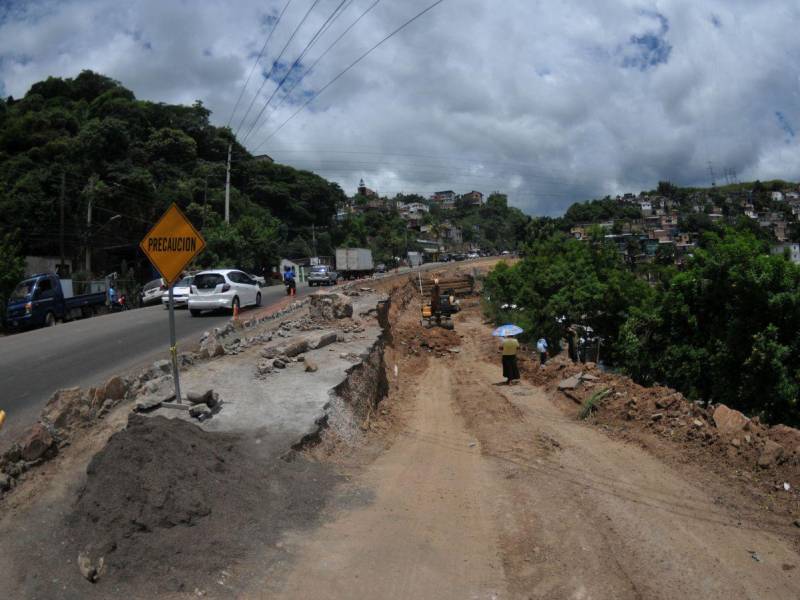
[
  {"x": 36, "y": 443},
  {"x": 771, "y": 453},
  {"x": 311, "y": 366}
]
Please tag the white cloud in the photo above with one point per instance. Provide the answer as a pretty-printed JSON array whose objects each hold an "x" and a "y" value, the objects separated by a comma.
[{"x": 552, "y": 102}]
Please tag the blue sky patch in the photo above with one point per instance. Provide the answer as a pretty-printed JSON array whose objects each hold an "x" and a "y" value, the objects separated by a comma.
[
  {"x": 716, "y": 22},
  {"x": 649, "y": 49},
  {"x": 785, "y": 126}
]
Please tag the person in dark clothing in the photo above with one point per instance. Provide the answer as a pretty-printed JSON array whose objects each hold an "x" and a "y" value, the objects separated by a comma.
[{"x": 436, "y": 301}]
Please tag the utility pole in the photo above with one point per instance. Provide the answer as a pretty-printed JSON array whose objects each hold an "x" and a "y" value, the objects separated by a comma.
[
  {"x": 314, "y": 238},
  {"x": 88, "y": 266},
  {"x": 711, "y": 172},
  {"x": 205, "y": 203},
  {"x": 61, "y": 224},
  {"x": 228, "y": 187}
]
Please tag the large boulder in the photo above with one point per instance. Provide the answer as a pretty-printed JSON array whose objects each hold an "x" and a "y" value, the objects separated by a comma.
[
  {"x": 115, "y": 388},
  {"x": 326, "y": 339},
  {"x": 330, "y": 306},
  {"x": 36, "y": 443},
  {"x": 729, "y": 421}
]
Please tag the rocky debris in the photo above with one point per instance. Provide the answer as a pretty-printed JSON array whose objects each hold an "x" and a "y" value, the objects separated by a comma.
[
  {"x": 201, "y": 412},
  {"x": 209, "y": 398},
  {"x": 211, "y": 346},
  {"x": 5, "y": 483},
  {"x": 89, "y": 569},
  {"x": 570, "y": 383},
  {"x": 770, "y": 454},
  {"x": 264, "y": 368},
  {"x": 326, "y": 339},
  {"x": 311, "y": 366},
  {"x": 330, "y": 306},
  {"x": 36, "y": 443},
  {"x": 278, "y": 364},
  {"x": 294, "y": 348},
  {"x": 116, "y": 388},
  {"x": 728, "y": 421},
  {"x": 149, "y": 402},
  {"x": 68, "y": 408}
]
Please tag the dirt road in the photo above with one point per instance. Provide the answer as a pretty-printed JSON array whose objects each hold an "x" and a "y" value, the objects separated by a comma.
[{"x": 492, "y": 491}]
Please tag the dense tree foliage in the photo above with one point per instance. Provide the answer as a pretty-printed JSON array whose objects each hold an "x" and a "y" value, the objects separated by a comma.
[
  {"x": 134, "y": 158},
  {"x": 723, "y": 329}
]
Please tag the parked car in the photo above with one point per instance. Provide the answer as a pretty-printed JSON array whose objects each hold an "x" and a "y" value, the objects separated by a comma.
[
  {"x": 222, "y": 289},
  {"x": 380, "y": 268},
  {"x": 473, "y": 255},
  {"x": 44, "y": 299},
  {"x": 459, "y": 257},
  {"x": 322, "y": 275},
  {"x": 180, "y": 293},
  {"x": 261, "y": 281},
  {"x": 151, "y": 292}
]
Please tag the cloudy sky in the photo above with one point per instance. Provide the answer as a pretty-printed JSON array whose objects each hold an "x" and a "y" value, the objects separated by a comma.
[{"x": 550, "y": 101}]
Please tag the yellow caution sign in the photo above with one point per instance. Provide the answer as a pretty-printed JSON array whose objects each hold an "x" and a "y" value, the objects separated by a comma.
[{"x": 172, "y": 243}]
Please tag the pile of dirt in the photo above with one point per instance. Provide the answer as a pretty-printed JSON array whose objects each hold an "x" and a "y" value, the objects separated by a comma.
[
  {"x": 168, "y": 504},
  {"x": 436, "y": 341},
  {"x": 764, "y": 460}
]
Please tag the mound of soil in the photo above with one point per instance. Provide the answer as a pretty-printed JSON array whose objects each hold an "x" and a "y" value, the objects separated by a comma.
[{"x": 169, "y": 504}]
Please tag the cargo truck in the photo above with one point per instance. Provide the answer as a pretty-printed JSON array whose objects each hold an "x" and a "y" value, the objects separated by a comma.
[
  {"x": 352, "y": 263},
  {"x": 44, "y": 299},
  {"x": 414, "y": 259}
]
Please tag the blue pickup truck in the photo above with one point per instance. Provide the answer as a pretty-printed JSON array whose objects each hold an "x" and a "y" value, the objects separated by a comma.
[{"x": 44, "y": 299}]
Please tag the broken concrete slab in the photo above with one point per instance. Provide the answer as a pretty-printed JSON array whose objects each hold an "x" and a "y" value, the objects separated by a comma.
[{"x": 326, "y": 339}]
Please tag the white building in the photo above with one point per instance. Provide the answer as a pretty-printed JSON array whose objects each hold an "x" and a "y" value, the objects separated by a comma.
[{"x": 792, "y": 248}]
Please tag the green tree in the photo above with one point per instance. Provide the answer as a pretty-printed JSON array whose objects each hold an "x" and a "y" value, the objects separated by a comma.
[{"x": 12, "y": 268}]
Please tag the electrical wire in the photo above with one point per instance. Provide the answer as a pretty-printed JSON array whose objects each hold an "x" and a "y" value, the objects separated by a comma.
[
  {"x": 350, "y": 66},
  {"x": 288, "y": 93},
  {"x": 255, "y": 64},
  {"x": 302, "y": 54},
  {"x": 274, "y": 63}
]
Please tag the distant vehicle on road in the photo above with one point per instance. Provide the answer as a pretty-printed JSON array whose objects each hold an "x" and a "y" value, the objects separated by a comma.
[
  {"x": 180, "y": 293},
  {"x": 380, "y": 268},
  {"x": 473, "y": 255},
  {"x": 151, "y": 292},
  {"x": 505, "y": 253},
  {"x": 322, "y": 275},
  {"x": 414, "y": 259},
  {"x": 352, "y": 263},
  {"x": 44, "y": 299},
  {"x": 459, "y": 257},
  {"x": 227, "y": 289}
]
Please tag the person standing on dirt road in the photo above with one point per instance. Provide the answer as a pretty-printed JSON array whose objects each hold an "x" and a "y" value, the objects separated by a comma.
[
  {"x": 541, "y": 348},
  {"x": 509, "y": 347}
]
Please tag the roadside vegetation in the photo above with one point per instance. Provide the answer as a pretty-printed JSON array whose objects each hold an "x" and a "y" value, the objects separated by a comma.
[{"x": 722, "y": 329}]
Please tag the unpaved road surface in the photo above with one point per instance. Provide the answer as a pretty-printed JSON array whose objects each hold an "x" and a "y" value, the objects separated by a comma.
[{"x": 491, "y": 491}]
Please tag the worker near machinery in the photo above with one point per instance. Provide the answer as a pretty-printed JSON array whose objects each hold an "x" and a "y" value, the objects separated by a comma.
[{"x": 436, "y": 301}]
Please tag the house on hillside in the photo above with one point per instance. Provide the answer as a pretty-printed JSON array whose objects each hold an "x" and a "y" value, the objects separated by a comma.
[
  {"x": 472, "y": 198},
  {"x": 363, "y": 190},
  {"x": 791, "y": 249},
  {"x": 446, "y": 200}
]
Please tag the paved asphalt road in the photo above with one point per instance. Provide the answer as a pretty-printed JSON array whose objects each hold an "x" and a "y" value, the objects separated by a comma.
[{"x": 87, "y": 352}]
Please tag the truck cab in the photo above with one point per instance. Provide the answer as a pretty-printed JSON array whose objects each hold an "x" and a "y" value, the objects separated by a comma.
[{"x": 35, "y": 302}]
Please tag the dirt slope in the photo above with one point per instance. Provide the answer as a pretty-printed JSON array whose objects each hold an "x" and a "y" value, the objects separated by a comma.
[{"x": 492, "y": 491}]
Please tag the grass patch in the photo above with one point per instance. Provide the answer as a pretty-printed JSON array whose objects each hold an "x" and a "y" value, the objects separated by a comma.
[{"x": 592, "y": 402}]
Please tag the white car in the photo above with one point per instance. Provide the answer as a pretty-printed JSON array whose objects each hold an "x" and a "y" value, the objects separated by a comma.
[
  {"x": 222, "y": 288},
  {"x": 180, "y": 293},
  {"x": 152, "y": 290}
]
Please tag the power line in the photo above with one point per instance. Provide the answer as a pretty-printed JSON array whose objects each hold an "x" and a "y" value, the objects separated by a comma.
[
  {"x": 255, "y": 64},
  {"x": 305, "y": 50},
  {"x": 350, "y": 66},
  {"x": 274, "y": 63},
  {"x": 288, "y": 93}
]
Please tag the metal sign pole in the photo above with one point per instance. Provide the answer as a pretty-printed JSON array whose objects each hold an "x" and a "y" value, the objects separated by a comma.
[{"x": 173, "y": 346}]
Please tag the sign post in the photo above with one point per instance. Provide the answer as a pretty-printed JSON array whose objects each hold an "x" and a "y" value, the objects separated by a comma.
[{"x": 171, "y": 244}]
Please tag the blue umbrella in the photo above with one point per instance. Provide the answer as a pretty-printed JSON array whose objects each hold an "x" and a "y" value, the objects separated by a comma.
[{"x": 507, "y": 330}]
